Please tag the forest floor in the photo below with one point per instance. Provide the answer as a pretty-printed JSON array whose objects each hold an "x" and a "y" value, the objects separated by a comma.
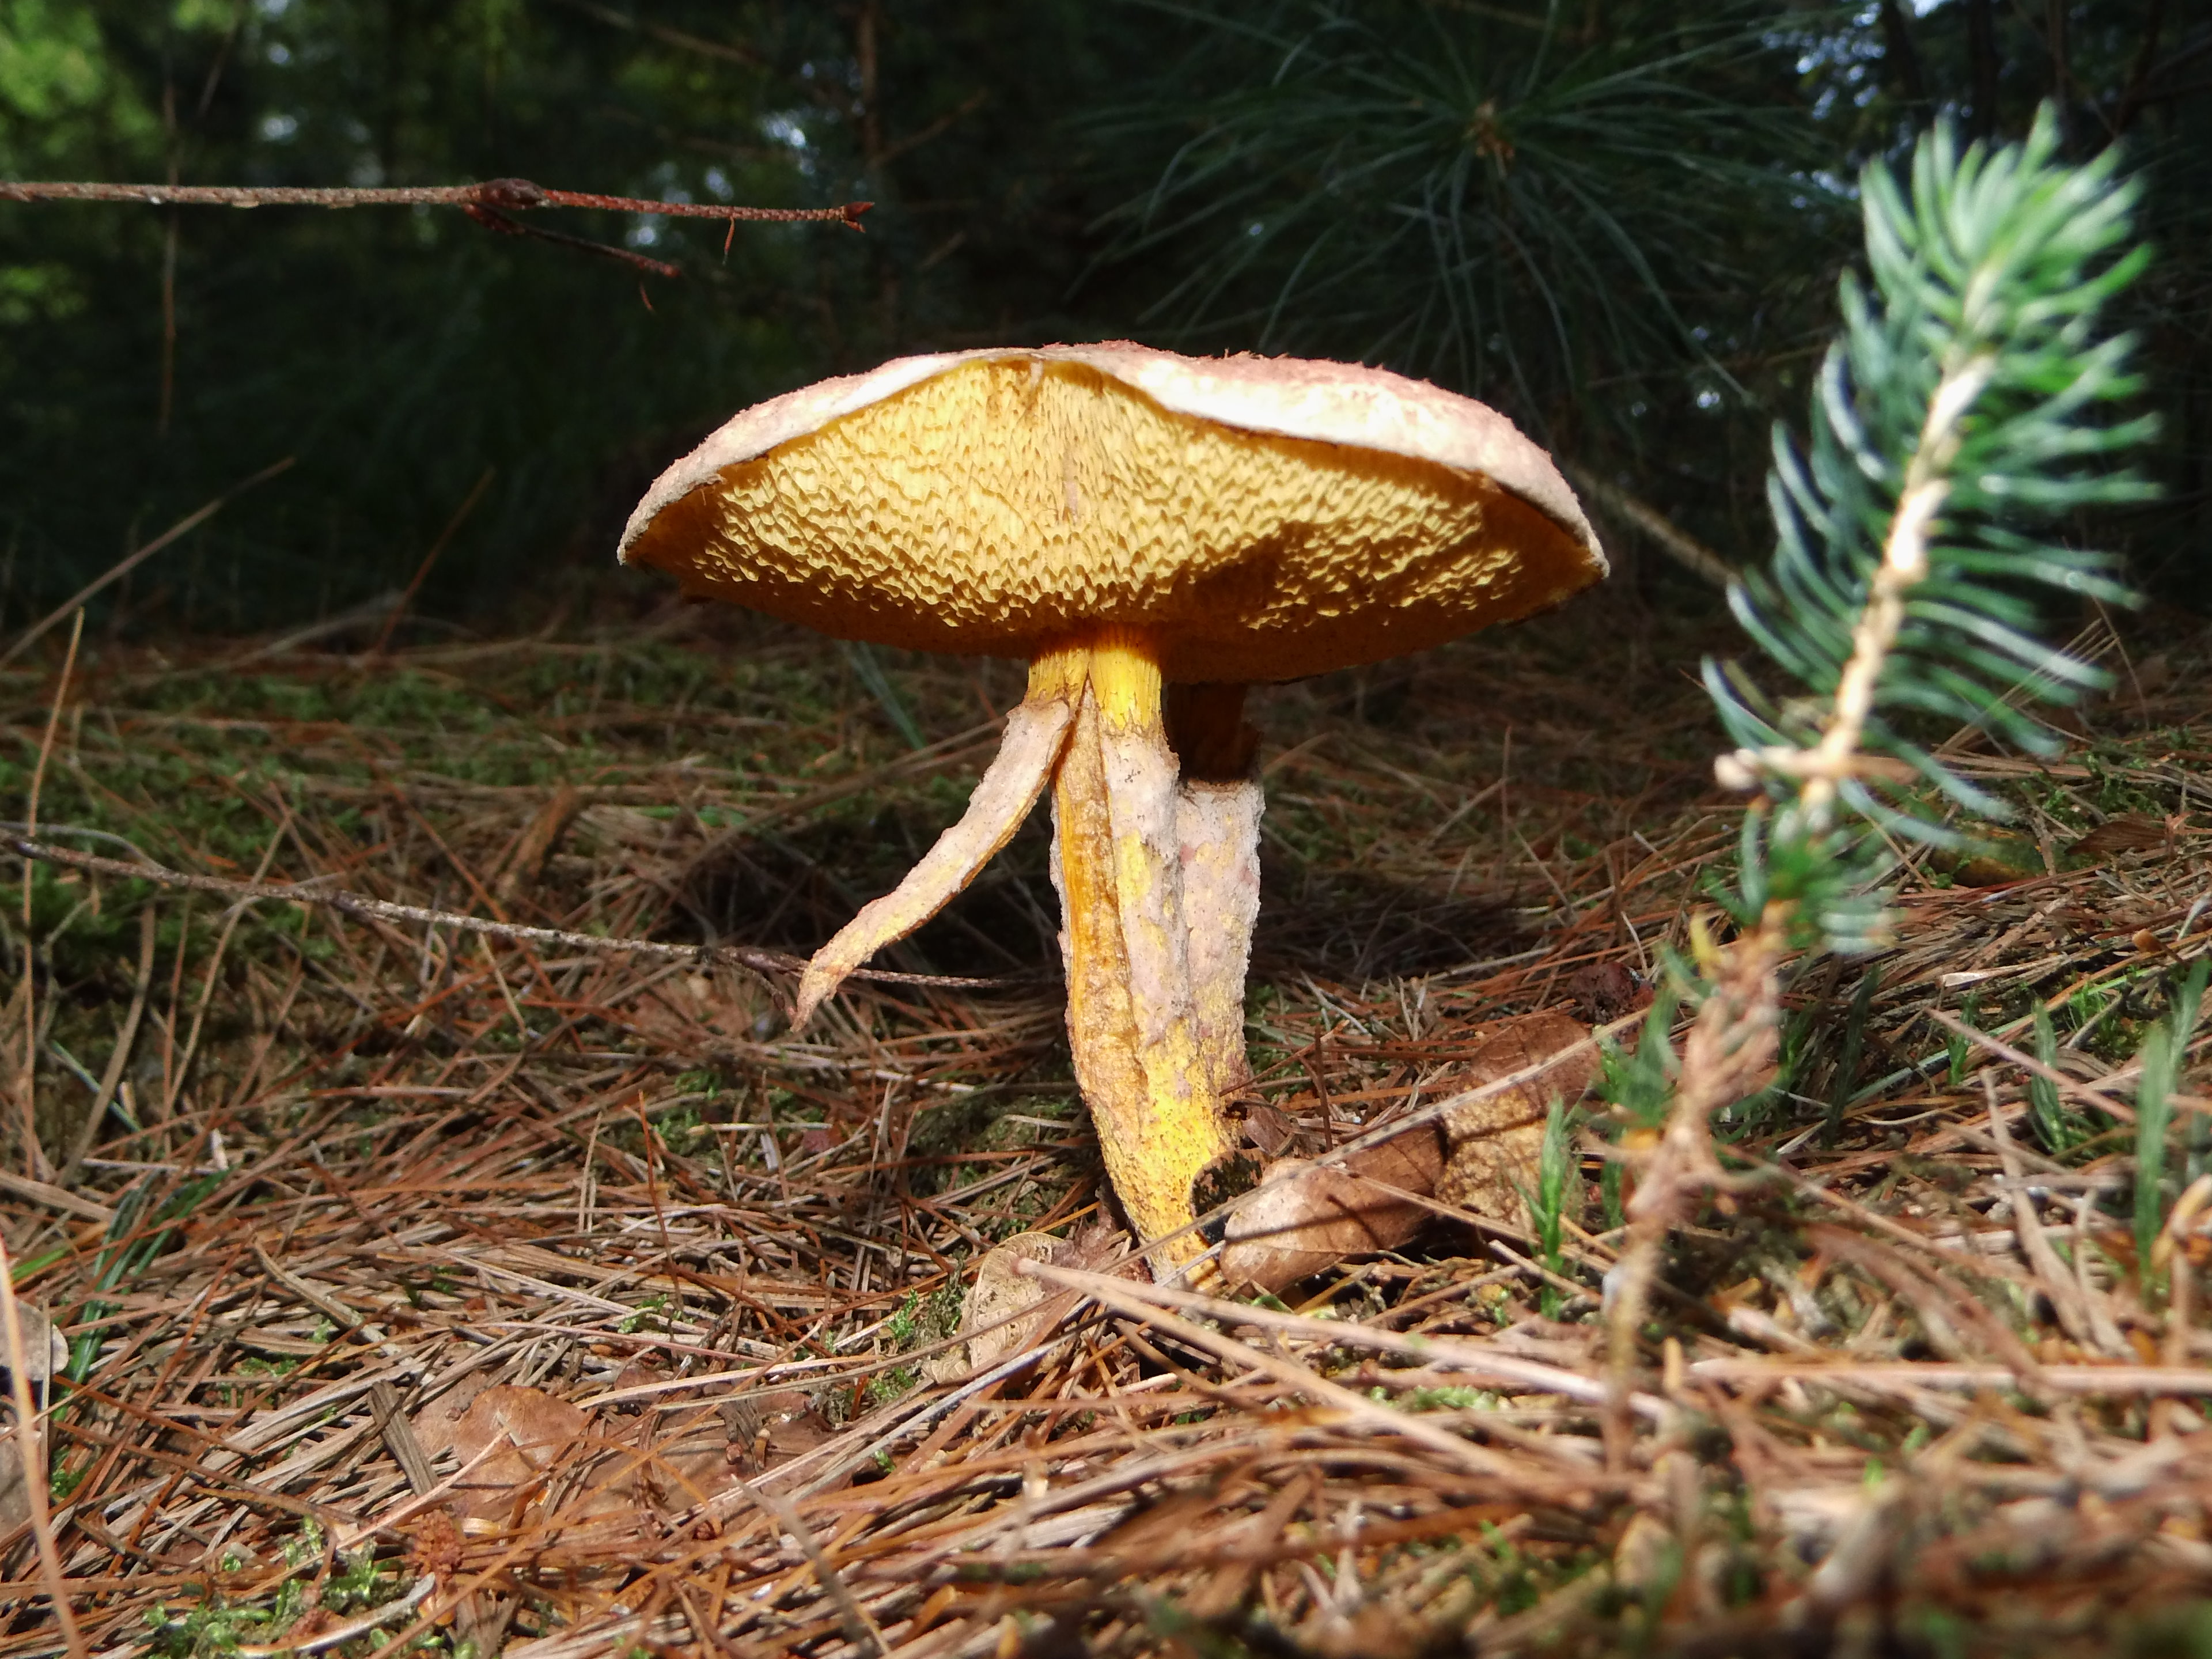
[{"x": 426, "y": 1290}]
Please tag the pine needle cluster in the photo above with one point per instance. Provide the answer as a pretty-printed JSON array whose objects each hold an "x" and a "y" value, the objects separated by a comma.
[
  {"x": 1531, "y": 206},
  {"x": 1968, "y": 410}
]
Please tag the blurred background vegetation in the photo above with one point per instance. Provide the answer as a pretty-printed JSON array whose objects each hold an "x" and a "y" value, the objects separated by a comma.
[{"x": 1620, "y": 222}]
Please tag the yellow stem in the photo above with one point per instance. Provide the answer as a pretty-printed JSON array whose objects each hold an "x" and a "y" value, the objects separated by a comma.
[{"x": 1153, "y": 1099}]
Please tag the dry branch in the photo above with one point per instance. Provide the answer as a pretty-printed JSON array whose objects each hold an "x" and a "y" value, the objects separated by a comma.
[
  {"x": 491, "y": 203},
  {"x": 503, "y": 194}
]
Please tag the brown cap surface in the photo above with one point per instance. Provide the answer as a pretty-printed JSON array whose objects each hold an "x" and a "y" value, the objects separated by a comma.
[{"x": 1261, "y": 517}]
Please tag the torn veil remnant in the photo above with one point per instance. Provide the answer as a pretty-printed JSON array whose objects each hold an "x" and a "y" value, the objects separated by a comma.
[{"x": 1151, "y": 532}]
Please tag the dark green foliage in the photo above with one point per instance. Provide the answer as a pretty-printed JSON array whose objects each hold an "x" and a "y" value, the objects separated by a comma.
[
  {"x": 1558, "y": 1198},
  {"x": 399, "y": 353},
  {"x": 1620, "y": 221},
  {"x": 147, "y": 1221},
  {"x": 2118, "y": 73},
  {"x": 1641, "y": 1081},
  {"x": 2057, "y": 1129},
  {"x": 1617, "y": 219},
  {"x": 1846, "y": 1078}
]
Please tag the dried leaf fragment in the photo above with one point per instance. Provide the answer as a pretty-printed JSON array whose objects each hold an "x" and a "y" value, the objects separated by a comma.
[
  {"x": 2126, "y": 832},
  {"x": 1305, "y": 1217},
  {"x": 764, "y": 1427},
  {"x": 1496, "y": 1143},
  {"x": 1036, "y": 732},
  {"x": 521, "y": 1435},
  {"x": 1001, "y": 1294}
]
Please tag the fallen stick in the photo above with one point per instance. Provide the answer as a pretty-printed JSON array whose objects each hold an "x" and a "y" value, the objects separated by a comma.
[{"x": 358, "y": 904}]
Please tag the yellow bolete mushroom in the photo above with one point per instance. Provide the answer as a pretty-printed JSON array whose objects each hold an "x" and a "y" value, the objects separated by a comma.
[{"x": 1127, "y": 520}]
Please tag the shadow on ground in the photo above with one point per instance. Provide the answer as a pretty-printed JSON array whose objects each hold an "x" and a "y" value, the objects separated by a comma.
[{"x": 790, "y": 892}]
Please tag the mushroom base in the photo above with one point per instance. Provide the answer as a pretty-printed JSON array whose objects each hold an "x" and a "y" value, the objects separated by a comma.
[{"x": 1157, "y": 863}]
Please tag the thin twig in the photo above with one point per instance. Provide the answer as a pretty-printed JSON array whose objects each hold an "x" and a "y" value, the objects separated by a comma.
[
  {"x": 502, "y": 195},
  {"x": 356, "y": 904},
  {"x": 491, "y": 203},
  {"x": 1904, "y": 567}
]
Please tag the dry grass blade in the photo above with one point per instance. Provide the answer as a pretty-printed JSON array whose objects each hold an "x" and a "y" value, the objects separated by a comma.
[{"x": 130, "y": 560}]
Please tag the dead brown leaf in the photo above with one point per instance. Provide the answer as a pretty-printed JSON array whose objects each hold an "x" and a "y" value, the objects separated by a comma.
[
  {"x": 2124, "y": 833},
  {"x": 1496, "y": 1143},
  {"x": 1305, "y": 1217},
  {"x": 516, "y": 1438},
  {"x": 994, "y": 1310}
]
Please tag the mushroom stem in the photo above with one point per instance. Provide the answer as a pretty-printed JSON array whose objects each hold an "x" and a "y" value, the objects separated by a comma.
[
  {"x": 1152, "y": 1093},
  {"x": 1217, "y": 823},
  {"x": 1037, "y": 733}
]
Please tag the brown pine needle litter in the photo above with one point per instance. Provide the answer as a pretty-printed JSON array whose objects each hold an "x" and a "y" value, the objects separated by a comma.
[{"x": 429, "y": 1289}]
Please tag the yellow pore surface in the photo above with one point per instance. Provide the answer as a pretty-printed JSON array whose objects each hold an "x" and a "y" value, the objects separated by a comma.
[{"x": 1009, "y": 505}]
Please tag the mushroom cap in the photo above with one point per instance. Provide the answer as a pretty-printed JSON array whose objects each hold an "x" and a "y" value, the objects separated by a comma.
[{"x": 1258, "y": 518}]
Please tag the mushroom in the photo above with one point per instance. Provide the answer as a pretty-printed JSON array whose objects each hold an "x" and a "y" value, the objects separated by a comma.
[{"x": 1152, "y": 532}]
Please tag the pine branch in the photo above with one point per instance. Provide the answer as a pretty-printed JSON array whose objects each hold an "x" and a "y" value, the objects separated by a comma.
[{"x": 1965, "y": 407}]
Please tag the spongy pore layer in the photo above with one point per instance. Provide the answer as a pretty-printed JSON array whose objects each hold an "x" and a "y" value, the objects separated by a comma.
[{"x": 1013, "y": 501}]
